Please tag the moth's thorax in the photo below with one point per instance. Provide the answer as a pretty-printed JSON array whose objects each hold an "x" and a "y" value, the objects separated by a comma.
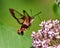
[
  {"x": 26, "y": 22},
  {"x": 31, "y": 20}
]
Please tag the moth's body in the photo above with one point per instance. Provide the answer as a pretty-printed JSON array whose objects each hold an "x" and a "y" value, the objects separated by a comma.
[{"x": 26, "y": 24}]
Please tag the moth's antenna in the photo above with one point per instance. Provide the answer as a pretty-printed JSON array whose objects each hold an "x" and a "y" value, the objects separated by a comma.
[
  {"x": 37, "y": 14},
  {"x": 31, "y": 12},
  {"x": 39, "y": 17}
]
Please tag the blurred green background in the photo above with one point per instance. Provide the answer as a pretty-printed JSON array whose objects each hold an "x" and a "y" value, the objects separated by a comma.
[{"x": 9, "y": 26}]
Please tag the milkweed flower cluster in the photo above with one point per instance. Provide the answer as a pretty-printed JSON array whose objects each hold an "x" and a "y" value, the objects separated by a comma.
[{"x": 50, "y": 30}]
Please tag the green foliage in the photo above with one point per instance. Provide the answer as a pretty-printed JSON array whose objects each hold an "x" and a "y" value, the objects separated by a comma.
[{"x": 9, "y": 26}]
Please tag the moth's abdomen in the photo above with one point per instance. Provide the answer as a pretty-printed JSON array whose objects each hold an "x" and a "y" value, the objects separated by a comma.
[
  {"x": 21, "y": 33},
  {"x": 24, "y": 26}
]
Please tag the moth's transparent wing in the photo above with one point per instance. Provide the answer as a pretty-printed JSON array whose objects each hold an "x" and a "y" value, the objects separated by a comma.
[
  {"x": 25, "y": 13},
  {"x": 18, "y": 16}
]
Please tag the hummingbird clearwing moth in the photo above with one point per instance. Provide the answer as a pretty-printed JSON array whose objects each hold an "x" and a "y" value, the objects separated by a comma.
[{"x": 27, "y": 20}]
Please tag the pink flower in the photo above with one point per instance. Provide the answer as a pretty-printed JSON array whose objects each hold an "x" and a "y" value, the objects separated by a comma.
[
  {"x": 50, "y": 25},
  {"x": 49, "y": 30},
  {"x": 42, "y": 23},
  {"x": 56, "y": 21},
  {"x": 33, "y": 34},
  {"x": 49, "y": 21}
]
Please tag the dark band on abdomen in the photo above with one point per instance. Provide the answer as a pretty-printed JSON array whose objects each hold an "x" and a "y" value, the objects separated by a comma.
[{"x": 24, "y": 26}]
